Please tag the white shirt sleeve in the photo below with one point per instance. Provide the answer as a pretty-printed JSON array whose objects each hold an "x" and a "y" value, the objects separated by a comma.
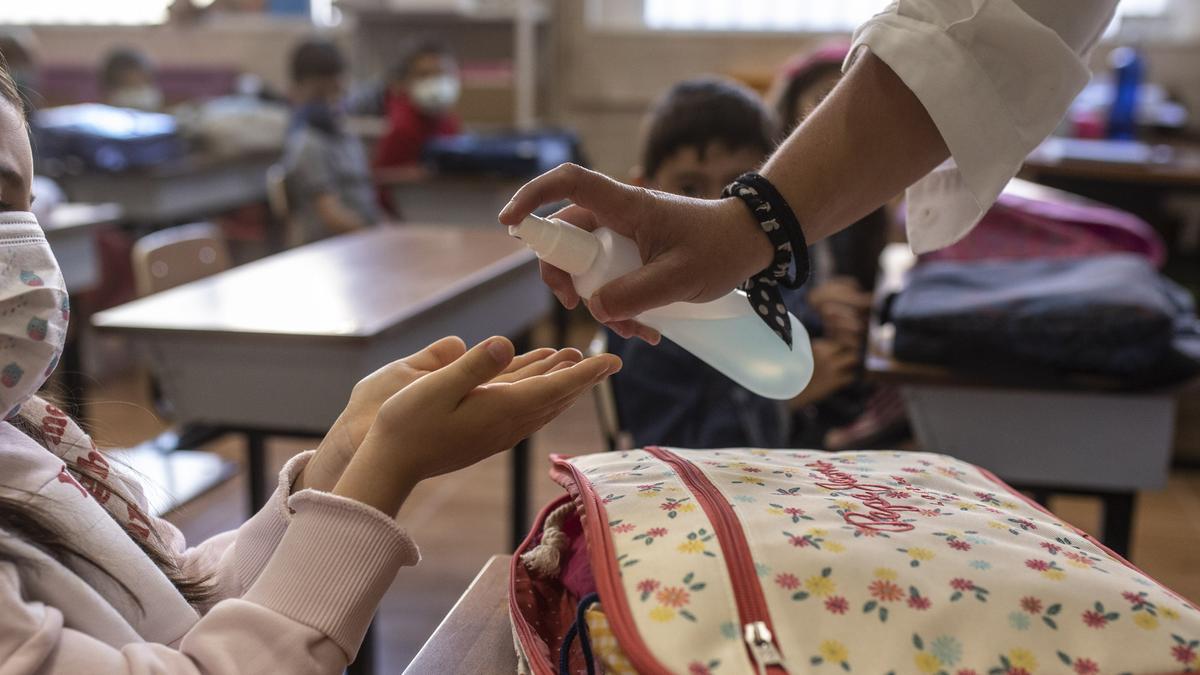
[{"x": 996, "y": 77}]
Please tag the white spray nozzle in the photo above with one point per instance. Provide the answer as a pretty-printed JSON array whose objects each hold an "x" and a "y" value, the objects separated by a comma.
[{"x": 558, "y": 242}]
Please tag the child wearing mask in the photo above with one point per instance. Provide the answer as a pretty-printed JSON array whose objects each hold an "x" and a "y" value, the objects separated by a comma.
[
  {"x": 329, "y": 183},
  {"x": 419, "y": 103},
  {"x": 90, "y": 583},
  {"x": 127, "y": 80},
  {"x": 697, "y": 139}
]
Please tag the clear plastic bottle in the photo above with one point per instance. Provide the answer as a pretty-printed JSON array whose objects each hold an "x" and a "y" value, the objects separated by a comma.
[{"x": 725, "y": 333}]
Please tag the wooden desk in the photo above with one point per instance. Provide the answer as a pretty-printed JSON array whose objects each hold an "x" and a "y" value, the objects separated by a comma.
[
  {"x": 1049, "y": 434},
  {"x": 476, "y": 636},
  {"x": 193, "y": 188},
  {"x": 71, "y": 228},
  {"x": 1162, "y": 165},
  {"x": 276, "y": 345},
  {"x": 455, "y": 200}
]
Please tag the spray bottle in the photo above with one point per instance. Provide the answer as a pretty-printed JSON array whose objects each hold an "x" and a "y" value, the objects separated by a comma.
[{"x": 724, "y": 333}]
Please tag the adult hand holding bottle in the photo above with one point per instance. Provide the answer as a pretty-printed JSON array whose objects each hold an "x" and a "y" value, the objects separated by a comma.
[
  {"x": 696, "y": 250},
  {"x": 980, "y": 80}
]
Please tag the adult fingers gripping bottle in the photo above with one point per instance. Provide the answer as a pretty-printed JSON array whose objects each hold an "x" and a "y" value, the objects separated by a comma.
[{"x": 724, "y": 333}]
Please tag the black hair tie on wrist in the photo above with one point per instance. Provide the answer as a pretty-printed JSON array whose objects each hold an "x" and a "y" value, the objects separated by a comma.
[{"x": 776, "y": 219}]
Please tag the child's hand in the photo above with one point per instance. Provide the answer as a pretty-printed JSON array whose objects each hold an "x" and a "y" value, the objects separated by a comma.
[
  {"x": 459, "y": 415},
  {"x": 834, "y": 368},
  {"x": 843, "y": 309},
  {"x": 369, "y": 394},
  {"x": 843, "y": 290}
]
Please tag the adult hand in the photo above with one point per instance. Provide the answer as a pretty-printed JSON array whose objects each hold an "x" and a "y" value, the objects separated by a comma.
[
  {"x": 693, "y": 250},
  {"x": 459, "y": 415},
  {"x": 347, "y": 433}
]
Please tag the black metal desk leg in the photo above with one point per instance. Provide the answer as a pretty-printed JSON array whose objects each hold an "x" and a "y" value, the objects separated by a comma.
[
  {"x": 256, "y": 468},
  {"x": 519, "y": 472},
  {"x": 519, "y": 493},
  {"x": 364, "y": 664},
  {"x": 1118, "y": 521}
]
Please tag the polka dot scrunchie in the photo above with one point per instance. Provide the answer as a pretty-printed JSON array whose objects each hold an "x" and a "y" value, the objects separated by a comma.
[{"x": 780, "y": 225}]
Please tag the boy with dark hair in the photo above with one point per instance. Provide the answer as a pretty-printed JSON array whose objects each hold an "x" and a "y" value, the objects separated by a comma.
[
  {"x": 127, "y": 80},
  {"x": 328, "y": 177},
  {"x": 419, "y": 103},
  {"x": 700, "y": 136}
]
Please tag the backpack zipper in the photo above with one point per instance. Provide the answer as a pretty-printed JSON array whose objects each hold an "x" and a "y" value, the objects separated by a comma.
[{"x": 755, "y": 617}]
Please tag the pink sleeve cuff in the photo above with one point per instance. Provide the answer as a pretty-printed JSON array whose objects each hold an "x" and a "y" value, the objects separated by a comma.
[
  {"x": 258, "y": 536},
  {"x": 333, "y": 565}
]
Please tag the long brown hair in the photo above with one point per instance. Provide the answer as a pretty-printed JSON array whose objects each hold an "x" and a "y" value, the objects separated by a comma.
[{"x": 30, "y": 522}]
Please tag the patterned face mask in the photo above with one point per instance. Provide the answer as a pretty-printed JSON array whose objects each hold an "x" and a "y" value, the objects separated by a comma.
[{"x": 33, "y": 310}]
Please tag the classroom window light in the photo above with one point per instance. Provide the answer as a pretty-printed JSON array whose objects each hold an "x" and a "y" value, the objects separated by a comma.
[
  {"x": 125, "y": 12},
  {"x": 102, "y": 12},
  {"x": 759, "y": 15},
  {"x": 795, "y": 16}
]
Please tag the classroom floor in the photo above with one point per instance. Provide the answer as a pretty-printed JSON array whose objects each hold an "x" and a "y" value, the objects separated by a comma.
[{"x": 455, "y": 519}]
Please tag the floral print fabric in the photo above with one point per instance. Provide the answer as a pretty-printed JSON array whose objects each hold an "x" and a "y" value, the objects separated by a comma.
[{"x": 878, "y": 562}]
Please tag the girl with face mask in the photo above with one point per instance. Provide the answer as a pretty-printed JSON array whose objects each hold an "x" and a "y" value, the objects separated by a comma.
[
  {"x": 91, "y": 583},
  {"x": 419, "y": 101}
]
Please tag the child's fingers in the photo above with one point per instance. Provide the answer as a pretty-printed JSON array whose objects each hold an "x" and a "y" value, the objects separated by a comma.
[
  {"x": 438, "y": 354},
  {"x": 543, "y": 391},
  {"x": 483, "y": 362},
  {"x": 844, "y": 361},
  {"x": 522, "y": 360},
  {"x": 535, "y": 424},
  {"x": 564, "y": 357}
]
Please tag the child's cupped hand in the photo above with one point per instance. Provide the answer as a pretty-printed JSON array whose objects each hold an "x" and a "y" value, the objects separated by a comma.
[
  {"x": 835, "y": 367},
  {"x": 348, "y": 432},
  {"x": 481, "y": 403}
]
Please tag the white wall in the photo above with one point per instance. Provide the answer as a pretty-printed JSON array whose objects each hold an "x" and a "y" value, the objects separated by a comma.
[
  {"x": 258, "y": 45},
  {"x": 602, "y": 82}
]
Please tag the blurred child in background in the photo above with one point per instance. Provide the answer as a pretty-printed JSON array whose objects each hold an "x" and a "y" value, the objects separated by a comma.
[
  {"x": 698, "y": 138},
  {"x": 419, "y": 104},
  {"x": 18, "y": 46},
  {"x": 328, "y": 177},
  {"x": 127, "y": 80}
]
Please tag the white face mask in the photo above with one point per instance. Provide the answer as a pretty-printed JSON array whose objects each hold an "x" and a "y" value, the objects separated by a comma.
[
  {"x": 33, "y": 310},
  {"x": 144, "y": 97},
  {"x": 435, "y": 94}
]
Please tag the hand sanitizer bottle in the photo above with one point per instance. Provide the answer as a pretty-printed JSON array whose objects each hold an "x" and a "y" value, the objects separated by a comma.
[{"x": 725, "y": 333}]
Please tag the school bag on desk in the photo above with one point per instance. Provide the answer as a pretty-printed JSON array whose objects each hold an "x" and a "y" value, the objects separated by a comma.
[
  {"x": 100, "y": 137},
  {"x": 1054, "y": 224},
  {"x": 512, "y": 154},
  {"x": 1107, "y": 315},
  {"x": 748, "y": 561}
]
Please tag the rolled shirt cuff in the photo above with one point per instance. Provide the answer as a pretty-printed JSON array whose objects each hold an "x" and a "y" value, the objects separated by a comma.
[{"x": 992, "y": 104}]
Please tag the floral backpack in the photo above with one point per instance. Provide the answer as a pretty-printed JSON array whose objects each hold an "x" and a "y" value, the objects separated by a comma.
[{"x": 778, "y": 561}]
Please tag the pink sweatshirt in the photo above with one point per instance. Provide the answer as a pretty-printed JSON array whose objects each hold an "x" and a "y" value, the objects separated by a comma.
[{"x": 297, "y": 584}]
